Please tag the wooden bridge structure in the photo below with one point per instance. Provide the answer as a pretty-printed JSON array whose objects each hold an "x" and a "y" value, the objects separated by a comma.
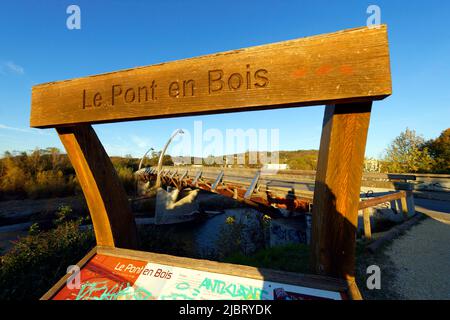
[
  {"x": 287, "y": 189},
  {"x": 346, "y": 71},
  {"x": 271, "y": 192}
]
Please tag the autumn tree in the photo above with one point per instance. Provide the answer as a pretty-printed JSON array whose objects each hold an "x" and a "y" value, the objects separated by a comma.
[
  {"x": 408, "y": 153},
  {"x": 439, "y": 150}
]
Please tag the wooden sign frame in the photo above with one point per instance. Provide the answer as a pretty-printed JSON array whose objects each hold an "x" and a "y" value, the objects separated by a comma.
[{"x": 346, "y": 70}]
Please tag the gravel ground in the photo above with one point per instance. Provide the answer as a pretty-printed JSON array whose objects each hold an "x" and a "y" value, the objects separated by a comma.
[{"x": 421, "y": 258}]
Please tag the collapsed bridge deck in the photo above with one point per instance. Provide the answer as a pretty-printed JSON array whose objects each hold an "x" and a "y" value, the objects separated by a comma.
[{"x": 256, "y": 191}]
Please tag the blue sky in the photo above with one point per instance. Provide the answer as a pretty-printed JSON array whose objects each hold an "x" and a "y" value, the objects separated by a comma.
[{"x": 37, "y": 47}]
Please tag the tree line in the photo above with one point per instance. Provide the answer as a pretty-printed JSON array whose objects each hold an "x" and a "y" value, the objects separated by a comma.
[
  {"x": 410, "y": 152},
  {"x": 45, "y": 173}
]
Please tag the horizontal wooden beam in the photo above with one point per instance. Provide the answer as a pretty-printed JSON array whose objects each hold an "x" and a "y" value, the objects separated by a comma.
[{"x": 346, "y": 66}]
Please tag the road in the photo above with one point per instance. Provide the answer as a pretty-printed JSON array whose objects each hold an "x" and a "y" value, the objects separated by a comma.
[{"x": 434, "y": 205}]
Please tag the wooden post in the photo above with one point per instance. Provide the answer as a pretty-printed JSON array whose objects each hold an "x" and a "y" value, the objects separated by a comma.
[
  {"x": 105, "y": 195},
  {"x": 404, "y": 207},
  {"x": 367, "y": 227},
  {"x": 235, "y": 193},
  {"x": 337, "y": 189}
]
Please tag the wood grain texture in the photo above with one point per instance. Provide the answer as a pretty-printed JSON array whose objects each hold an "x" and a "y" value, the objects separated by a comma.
[
  {"x": 337, "y": 188},
  {"x": 367, "y": 226},
  {"x": 346, "y": 66},
  {"x": 105, "y": 196},
  {"x": 353, "y": 290},
  {"x": 312, "y": 281}
]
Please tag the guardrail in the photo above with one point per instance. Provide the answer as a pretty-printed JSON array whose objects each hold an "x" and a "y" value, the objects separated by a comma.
[
  {"x": 392, "y": 181},
  {"x": 266, "y": 191},
  {"x": 253, "y": 191}
]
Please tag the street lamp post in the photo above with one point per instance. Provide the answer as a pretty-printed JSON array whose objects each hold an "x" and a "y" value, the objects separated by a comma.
[
  {"x": 142, "y": 160},
  {"x": 161, "y": 156}
]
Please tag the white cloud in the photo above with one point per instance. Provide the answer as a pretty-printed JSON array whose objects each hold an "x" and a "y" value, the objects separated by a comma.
[
  {"x": 141, "y": 142},
  {"x": 118, "y": 150},
  {"x": 9, "y": 67},
  {"x": 133, "y": 144},
  {"x": 2, "y": 126},
  {"x": 24, "y": 130}
]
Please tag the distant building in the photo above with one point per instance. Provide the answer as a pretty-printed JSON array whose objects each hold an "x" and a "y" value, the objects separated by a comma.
[
  {"x": 372, "y": 165},
  {"x": 275, "y": 166},
  {"x": 178, "y": 163},
  {"x": 181, "y": 161}
]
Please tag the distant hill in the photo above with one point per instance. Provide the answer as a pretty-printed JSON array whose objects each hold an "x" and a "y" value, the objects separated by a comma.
[{"x": 298, "y": 159}]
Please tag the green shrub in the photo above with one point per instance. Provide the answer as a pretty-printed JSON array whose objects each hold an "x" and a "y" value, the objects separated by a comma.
[
  {"x": 37, "y": 262},
  {"x": 230, "y": 237},
  {"x": 64, "y": 214},
  {"x": 245, "y": 234},
  {"x": 165, "y": 239},
  {"x": 34, "y": 229}
]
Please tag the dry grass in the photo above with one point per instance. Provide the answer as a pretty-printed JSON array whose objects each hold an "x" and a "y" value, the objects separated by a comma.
[{"x": 48, "y": 173}]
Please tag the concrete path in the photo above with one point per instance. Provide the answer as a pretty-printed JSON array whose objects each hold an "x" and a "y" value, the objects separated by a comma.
[
  {"x": 416, "y": 264},
  {"x": 434, "y": 205},
  {"x": 421, "y": 258}
]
